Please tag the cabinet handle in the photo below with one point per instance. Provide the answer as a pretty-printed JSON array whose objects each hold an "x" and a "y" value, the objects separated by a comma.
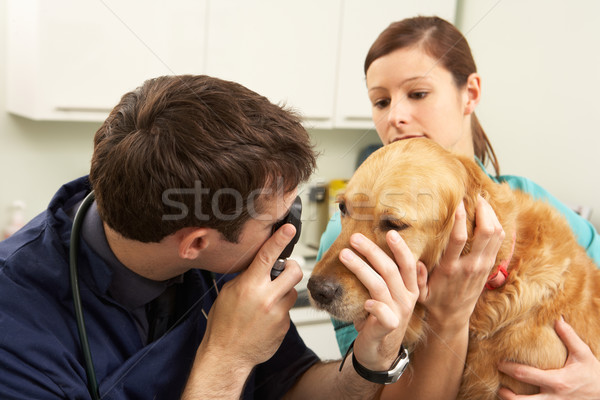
[
  {"x": 358, "y": 118},
  {"x": 316, "y": 118},
  {"x": 84, "y": 109}
]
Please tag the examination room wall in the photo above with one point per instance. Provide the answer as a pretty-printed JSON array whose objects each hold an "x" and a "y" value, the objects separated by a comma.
[
  {"x": 541, "y": 82},
  {"x": 36, "y": 157},
  {"x": 541, "y": 79}
]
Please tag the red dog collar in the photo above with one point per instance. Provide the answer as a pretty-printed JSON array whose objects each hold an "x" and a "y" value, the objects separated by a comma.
[{"x": 498, "y": 278}]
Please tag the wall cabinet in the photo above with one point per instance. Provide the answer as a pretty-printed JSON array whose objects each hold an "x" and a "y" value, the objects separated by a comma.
[
  {"x": 307, "y": 54},
  {"x": 285, "y": 50},
  {"x": 72, "y": 60},
  {"x": 361, "y": 23}
]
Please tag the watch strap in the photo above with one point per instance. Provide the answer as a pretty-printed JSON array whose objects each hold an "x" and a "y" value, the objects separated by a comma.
[{"x": 381, "y": 377}]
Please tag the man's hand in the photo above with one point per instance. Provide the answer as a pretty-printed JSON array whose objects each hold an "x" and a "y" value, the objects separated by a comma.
[
  {"x": 251, "y": 314},
  {"x": 392, "y": 284},
  {"x": 579, "y": 379},
  {"x": 246, "y": 324}
]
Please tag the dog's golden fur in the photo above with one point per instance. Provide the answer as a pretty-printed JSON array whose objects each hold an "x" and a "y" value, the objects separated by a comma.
[{"x": 415, "y": 186}]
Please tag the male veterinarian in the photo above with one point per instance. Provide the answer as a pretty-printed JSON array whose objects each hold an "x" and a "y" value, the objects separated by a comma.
[{"x": 189, "y": 173}]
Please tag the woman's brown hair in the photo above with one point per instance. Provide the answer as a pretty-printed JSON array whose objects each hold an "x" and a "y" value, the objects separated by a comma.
[
  {"x": 442, "y": 41},
  {"x": 189, "y": 151}
]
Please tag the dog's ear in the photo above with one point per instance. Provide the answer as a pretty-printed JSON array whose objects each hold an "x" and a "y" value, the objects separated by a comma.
[{"x": 463, "y": 189}]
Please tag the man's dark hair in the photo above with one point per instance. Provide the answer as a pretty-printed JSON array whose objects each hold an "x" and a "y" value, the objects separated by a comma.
[{"x": 176, "y": 134}]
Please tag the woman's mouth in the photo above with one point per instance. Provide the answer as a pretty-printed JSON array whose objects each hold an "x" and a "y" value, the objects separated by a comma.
[{"x": 406, "y": 137}]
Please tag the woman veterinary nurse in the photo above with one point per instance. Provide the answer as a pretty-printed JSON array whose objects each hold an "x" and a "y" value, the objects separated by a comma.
[{"x": 422, "y": 82}]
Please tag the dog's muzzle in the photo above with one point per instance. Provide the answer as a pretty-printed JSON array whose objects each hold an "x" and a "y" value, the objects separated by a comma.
[{"x": 324, "y": 291}]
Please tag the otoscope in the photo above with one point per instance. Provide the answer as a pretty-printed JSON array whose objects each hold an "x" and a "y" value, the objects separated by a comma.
[{"x": 293, "y": 217}]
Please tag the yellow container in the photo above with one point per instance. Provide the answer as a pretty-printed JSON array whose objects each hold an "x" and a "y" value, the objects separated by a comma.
[{"x": 336, "y": 186}]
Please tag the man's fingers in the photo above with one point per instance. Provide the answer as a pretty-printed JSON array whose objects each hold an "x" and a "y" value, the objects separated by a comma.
[
  {"x": 289, "y": 299},
  {"x": 270, "y": 251},
  {"x": 290, "y": 276}
]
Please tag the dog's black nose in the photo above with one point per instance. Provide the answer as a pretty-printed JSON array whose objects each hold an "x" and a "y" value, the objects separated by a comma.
[{"x": 323, "y": 289}]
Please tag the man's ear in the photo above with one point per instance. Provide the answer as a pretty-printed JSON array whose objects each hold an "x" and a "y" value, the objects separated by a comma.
[{"x": 191, "y": 242}]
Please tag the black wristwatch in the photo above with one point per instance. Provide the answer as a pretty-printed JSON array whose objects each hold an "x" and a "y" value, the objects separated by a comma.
[{"x": 382, "y": 377}]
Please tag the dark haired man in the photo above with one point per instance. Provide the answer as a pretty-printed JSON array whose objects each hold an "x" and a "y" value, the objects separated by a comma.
[{"x": 190, "y": 174}]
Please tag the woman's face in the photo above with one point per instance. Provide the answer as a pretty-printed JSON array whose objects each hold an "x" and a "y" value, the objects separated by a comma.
[{"x": 414, "y": 96}]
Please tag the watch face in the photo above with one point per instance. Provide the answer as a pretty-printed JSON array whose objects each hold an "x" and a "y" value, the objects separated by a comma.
[
  {"x": 381, "y": 377},
  {"x": 403, "y": 364},
  {"x": 399, "y": 365}
]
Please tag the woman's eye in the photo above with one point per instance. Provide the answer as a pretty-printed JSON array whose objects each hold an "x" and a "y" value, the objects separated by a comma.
[
  {"x": 381, "y": 103},
  {"x": 342, "y": 209},
  {"x": 418, "y": 95}
]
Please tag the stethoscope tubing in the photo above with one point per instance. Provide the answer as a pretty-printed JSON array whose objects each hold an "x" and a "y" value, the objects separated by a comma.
[{"x": 73, "y": 254}]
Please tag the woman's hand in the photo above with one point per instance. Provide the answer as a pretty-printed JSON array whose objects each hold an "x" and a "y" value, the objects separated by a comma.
[
  {"x": 579, "y": 379},
  {"x": 461, "y": 278},
  {"x": 392, "y": 284}
]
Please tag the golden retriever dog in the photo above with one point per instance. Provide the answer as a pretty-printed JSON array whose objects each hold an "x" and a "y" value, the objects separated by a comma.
[{"x": 414, "y": 186}]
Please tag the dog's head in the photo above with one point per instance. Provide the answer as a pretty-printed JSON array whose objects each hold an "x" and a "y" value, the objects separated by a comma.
[{"x": 412, "y": 186}]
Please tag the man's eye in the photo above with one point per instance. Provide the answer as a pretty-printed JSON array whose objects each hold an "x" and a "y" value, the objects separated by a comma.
[{"x": 342, "y": 209}]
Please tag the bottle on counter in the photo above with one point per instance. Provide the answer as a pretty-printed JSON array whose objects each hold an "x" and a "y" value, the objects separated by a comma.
[
  {"x": 336, "y": 186},
  {"x": 17, "y": 219}
]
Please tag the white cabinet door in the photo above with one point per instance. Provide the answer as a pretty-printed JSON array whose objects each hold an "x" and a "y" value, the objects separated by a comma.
[
  {"x": 73, "y": 59},
  {"x": 362, "y": 22},
  {"x": 285, "y": 50}
]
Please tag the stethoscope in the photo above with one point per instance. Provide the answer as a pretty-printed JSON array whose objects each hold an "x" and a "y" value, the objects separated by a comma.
[
  {"x": 92, "y": 382},
  {"x": 292, "y": 217},
  {"x": 73, "y": 253}
]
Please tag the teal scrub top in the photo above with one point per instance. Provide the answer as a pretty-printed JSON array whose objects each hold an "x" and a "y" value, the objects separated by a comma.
[{"x": 584, "y": 231}]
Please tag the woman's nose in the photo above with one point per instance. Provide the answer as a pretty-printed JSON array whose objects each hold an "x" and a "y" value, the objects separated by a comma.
[{"x": 399, "y": 114}]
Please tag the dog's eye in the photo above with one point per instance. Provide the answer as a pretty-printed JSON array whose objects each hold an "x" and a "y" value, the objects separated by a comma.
[
  {"x": 342, "y": 208},
  {"x": 393, "y": 224}
]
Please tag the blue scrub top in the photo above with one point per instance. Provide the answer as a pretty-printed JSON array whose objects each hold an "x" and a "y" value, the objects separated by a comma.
[{"x": 40, "y": 356}]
